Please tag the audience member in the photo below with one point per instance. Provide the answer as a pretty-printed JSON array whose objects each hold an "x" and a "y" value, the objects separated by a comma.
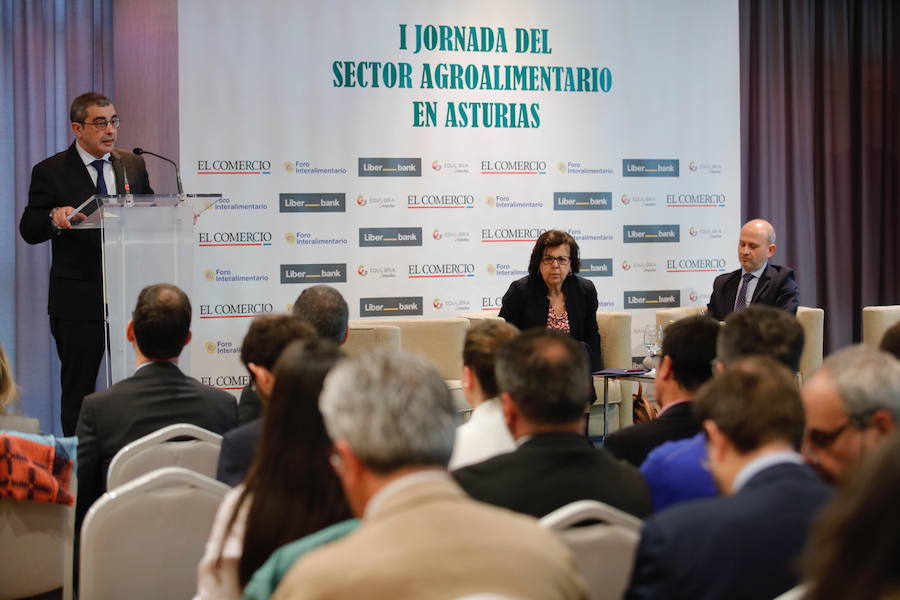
[
  {"x": 291, "y": 489},
  {"x": 890, "y": 341},
  {"x": 543, "y": 380},
  {"x": 392, "y": 422},
  {"x": 854, "y": 549},
  {"x": 744, "y": 544},
  {"x": 485, "y": 433},
  {"x": 688, "y": 349},
  {"x": 157, "y": 395},
  {"x": 266, "y": 338},
  {"x": 675, "y": 470},
  {"x": 9, "y": 397},
  {"x": 852, "y": 404}
]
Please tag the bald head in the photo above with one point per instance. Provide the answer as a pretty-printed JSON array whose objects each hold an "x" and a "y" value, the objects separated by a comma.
[{"x": 756, "y": 245}]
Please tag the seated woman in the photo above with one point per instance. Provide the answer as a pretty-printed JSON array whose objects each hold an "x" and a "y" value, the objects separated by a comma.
[
  {"x": 553, "y": 296},
  {"x": 9, "y": 395},
  {"x": 290, "y": 490}
]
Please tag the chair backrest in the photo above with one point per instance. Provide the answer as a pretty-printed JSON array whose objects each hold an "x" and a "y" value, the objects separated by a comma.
[
  {"x": 615, "y": 353},
  {"x": 877, "y": 320},
  {"x": 668, "y": 315},
  {"x": 36, "y": 543},
  {"x": 604, "y": 553},
  {"x": 440, "y": 340},
  {"x": 812, "y": 320},
  {"x": 477, "y": 317},
  {"x": 145, "y": 538},
  {"x": 156, "y": 450},
  {"x": 364, "y": 336}
]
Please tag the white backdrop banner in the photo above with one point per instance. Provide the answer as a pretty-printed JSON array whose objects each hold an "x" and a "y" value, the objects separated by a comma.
[{"x": 409, "y": 154}]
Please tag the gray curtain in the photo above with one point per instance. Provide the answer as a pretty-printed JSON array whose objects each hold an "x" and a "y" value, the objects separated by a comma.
[
  {"x": 820, "y": 148},
  {"x": 52, "y": 51}
]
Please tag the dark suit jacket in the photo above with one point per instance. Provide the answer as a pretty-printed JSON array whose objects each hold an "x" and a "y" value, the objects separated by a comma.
[
  {"x": 526, "y": 305},
  {"x": 551, "y": 470},
  {"x": 238, "y": 451},
  {"x": 76, "y": 274},
  {"x": 777, "y": 287},
  {"x": 737, "y": 547},
  {"x": 157, "y": 395},
  {"x": 635, "y": 443}
]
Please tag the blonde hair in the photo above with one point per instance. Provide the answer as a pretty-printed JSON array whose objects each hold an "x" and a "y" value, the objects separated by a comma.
[{"x": 9, "y": 392}]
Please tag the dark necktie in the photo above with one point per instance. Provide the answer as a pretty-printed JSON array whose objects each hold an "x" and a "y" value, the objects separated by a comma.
[
  {"x": 742, "y": 293},
  {"x": 101, "y": 180}
]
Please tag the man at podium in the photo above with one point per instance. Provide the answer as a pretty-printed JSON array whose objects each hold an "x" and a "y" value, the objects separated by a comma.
[{"x": 59, "y": 184}]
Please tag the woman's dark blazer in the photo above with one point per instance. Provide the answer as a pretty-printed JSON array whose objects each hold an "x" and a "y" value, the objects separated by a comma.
[{"x": 525, "y": 305}]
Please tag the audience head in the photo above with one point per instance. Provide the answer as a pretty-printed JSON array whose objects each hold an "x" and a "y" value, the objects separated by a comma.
[
  {"x": 890, "y": 341},
  {"x": 160, "y": 325},
  {"x": 854, "y": 549},
  {"x": 266, "y": 338},
  {"x": 291, "y": 488},
  {"x": 751, "y": 407},
  {"x": 388, "y": 413},
  {"x": 544, "y": 381},
  {"x": 688, "y": 350},
  {"x": 761, "y": 330},
  {"x": 326, "y": 310},
  {"x": 852, "y": 403},
  {"x": 479, "y": 351},
  {"x": 756, "y": 244},
  {"x": 9, "y": 393}
]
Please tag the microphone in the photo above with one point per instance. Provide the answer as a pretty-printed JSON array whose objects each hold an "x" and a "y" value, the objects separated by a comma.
[
  {"x": 168, "y": 160},
  {"x": 113, "y": 160}
]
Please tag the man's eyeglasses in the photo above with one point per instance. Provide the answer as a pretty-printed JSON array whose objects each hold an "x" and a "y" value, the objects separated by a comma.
[
  {"x": 823, "y": 439},
  {"x": 102, "y": 124},
  {"x": 562, "y": 261}
]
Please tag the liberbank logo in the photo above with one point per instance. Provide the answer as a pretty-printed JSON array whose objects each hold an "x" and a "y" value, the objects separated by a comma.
[
  {"x": 314, "y": 273},
  {"x": 649, "y": 167},
  {"x": 582, "y": 200},
  {"x": 307, "y": 203},
  {"x": 645, "y": 234},
  {"x": 390, "y": 236},
  {"x": 396, "y": 306},
  {"x": 653, "y": 299},
  {"x": 390, "y": 167},
  {"x": 429, "y": 270},
  {"x": 596, "y": 267},
  {"x": 234, "y": 167}
]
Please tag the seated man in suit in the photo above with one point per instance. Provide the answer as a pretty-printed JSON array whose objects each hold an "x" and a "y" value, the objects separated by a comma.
[
  {"x": 392, "y": 422},
  {"x": 157, "y": 395},
  {"x": 757, "y": 281},
  {"x": 267, "y": 336},
  {"x": 543, "y": 380},
  {"x": 688, "y": 349},
  {"x": 674, "y": 470},
  {"x": 852, "y": 404},
  {"x": 744, "y": 544}
]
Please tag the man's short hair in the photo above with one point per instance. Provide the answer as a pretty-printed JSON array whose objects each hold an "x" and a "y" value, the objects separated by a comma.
[
  {"x": 480, "y": 349},
  {"x": 761, "y": 330},
  {"x": 161, "y": 321},
  {"x": 546, "y": 373},
  {"x": 755, "y": 401},
  {"x": 866, "y": 379},
  {"x": 78, "y": 110},
  {"x": 690, "y": 344},
  {"x": 269, "y": 335},
  {"x": 325, "y": 308},
  {"x": 890, "y": 341},
  {"x": 393, "y": 409}
]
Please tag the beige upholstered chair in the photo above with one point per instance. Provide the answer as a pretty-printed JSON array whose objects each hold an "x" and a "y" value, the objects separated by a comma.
[
  {"x": 157, "y": 450},
  {"x": 877, "y": 320},
  {"x": 145, "y": 538},
  {"x": 812, "y": 320},
  {"x": 364, "y": 336},
  {"x": 615, "y": 352},
  {"x": 440, "y": 340},
  {"x": 475, "y": 317},
  {"x": 667, "y": 315},
  {"x": 36, "y": 543},
  {"x": 604, "y": 553}
]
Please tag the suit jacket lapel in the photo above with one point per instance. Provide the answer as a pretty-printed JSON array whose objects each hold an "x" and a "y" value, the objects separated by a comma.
[
  {"x": 731, "y": 290},
  {"x": 78, "y": 176},
  {"x": 763, "y": 284}
]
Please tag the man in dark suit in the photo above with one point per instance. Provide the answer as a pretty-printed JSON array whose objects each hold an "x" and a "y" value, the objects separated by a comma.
[
  {"x": 543, "y": 380},
  {"x": 757, "y": 281},
  {"x": 267, "y": 337},
  {"x": 58, "y": 185},
  {"x": 157, "y": 395},
  {"x": 688, "y": 349},
  {"x": 742, "y": 545}
]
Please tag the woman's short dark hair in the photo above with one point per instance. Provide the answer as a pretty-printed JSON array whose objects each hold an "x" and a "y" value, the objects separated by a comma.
[{"x": 551, "y": 239}]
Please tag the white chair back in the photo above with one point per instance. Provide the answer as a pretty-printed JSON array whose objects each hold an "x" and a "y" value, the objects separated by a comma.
[
  {"x": 877, "y": 320},
  {"x": 144, "y": 539},
  {"x": 364, "y": 337},
  {"x": 156, "y": 450},
  {"x": 812, "y": 320},
  {"x": 604, "y": 553},
  {"x": 439, "y": 340}
]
